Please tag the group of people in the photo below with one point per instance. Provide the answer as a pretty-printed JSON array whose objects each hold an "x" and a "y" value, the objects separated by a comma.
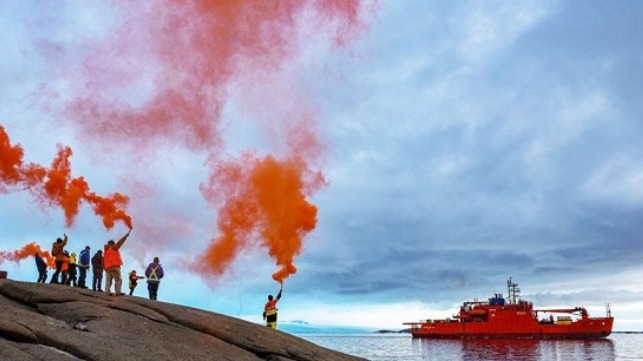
[
  {"x": 110, "y": 262},
  {"x": 72, "y": 271}
]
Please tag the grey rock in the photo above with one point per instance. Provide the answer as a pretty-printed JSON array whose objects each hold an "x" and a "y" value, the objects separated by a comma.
[{"x": 52, "y": 322}]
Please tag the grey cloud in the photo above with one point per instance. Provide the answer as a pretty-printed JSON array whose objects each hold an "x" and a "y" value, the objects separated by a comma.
[{"x": 498, "y": 158}]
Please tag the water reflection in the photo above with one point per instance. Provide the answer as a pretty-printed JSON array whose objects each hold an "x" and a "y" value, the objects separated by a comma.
[{"x": 520, "y": 350}]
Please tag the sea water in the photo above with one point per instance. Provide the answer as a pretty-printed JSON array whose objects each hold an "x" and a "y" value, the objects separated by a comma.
[{"x": 403, "y": 347}]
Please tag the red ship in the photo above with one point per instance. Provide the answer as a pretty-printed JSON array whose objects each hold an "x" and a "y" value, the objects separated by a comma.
[{"x": 515, "y": 318}]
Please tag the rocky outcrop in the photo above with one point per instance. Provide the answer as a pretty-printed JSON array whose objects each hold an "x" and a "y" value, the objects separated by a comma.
[{"x": 60, "y": 323}]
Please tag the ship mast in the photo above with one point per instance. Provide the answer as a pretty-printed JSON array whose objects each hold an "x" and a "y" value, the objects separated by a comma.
[{"x": 513, "y": 291}]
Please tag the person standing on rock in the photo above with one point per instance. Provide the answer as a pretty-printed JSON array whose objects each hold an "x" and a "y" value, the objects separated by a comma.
[
  {"x": 112, "y": 262},
  {"x": 57, "y": 251},
  {"x": 72, "y": 270},
  {"x": 133, "y": 281},
  {"x": 270, "y": 310},
  {"x": 97, "y": 271},
  {"x": 42, "y": 268},
  {"x": 83, "y": 266},
  {"x": 64, "y": 269},
  {"x": 154, "y": 273}
]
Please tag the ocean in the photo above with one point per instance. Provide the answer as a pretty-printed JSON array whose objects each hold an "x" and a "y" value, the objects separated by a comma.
[{"x": 403, "y": 347}]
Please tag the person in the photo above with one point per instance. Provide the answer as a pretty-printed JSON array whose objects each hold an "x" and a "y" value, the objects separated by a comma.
[
  {"x": 72, "y": 270},
  {"x": 154, "y": 273},
  {"x": 133, "y": 281},
  {"x": 83, "y": 266},
  {"x": 97, "y": 271},
  {"x": 57, "y": 251},
  {"x": 42, "y": 268},
  {"x": 64, "y": 270},
  {"x": 112, "y": 263},
  {"x": 270, "y": 310}
]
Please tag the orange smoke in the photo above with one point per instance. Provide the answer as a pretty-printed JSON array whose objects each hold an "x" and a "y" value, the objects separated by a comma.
[
  {"x": 191, "y": 51},
  {"x": 28, "y": 251},
  {"x": 56, "y": 186},
  {"x": 265, "y": 205},
  {"x": 165, "y": 76}
]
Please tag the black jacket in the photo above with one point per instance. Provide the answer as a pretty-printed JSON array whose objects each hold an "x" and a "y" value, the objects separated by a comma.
[
  {"x": 97, "y": 263},
  {"x": 40, "y": 263}
]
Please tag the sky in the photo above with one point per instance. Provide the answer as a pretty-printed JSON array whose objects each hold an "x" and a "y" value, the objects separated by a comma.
[{"x": 386, "y": 160}]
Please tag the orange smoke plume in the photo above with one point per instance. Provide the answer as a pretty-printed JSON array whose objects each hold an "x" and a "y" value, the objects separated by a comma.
[
  {"x": 55, "y": 186},
  {"x": 191, "y": 51},
  {"x": 267, "y": 207},
  {"x": 27, "y": 251}
]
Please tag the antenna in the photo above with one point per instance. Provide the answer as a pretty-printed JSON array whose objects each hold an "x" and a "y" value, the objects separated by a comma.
[{"x": 513, "y": 291}]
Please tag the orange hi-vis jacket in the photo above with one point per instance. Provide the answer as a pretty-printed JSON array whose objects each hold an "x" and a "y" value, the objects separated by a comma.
[
  {"x": 57, "y": 249},
  {"x": 112, "y": 255},
  {"x": 65, "y": 266},
  {"x": 112, "y": 258},
  {"x": 270, "y": 307}
]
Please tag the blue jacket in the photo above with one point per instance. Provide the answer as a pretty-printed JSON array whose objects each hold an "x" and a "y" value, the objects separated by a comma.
[{"x": 85, "y": 259}]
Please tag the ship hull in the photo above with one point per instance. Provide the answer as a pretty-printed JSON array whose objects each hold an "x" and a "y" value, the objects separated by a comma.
[
  {"x": 516, "y": 327},
  {"x": 517, "y": 336}
]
